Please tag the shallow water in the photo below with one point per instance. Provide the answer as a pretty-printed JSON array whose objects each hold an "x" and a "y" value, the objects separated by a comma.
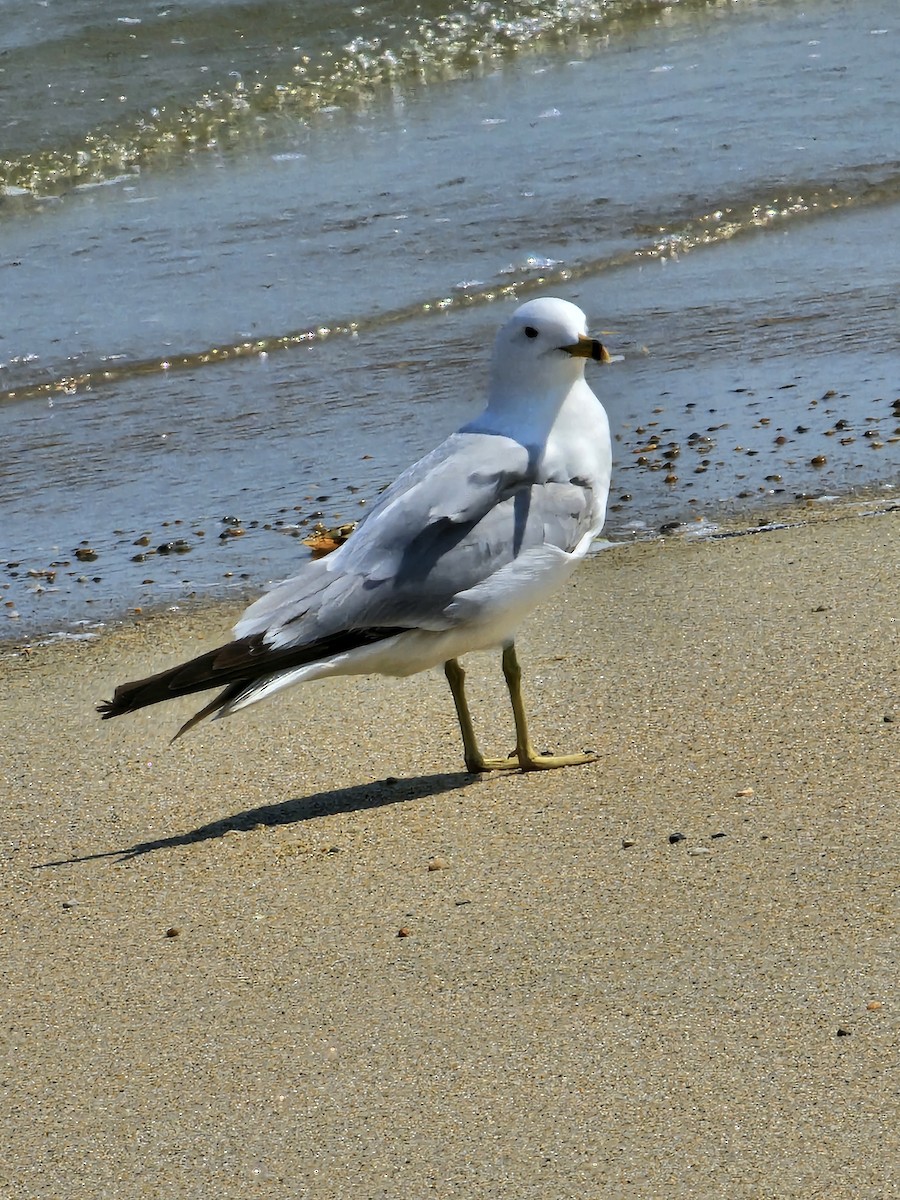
[{"x": 271, "y": 326}]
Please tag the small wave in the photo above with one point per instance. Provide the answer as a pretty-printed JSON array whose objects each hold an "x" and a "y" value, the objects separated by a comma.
[
  {"x": 389, "y": 53},
  {"x": 668, "y": 238}
]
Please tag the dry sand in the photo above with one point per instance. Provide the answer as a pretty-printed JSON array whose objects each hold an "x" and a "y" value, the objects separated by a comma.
[{"x": 205, "y": 995}]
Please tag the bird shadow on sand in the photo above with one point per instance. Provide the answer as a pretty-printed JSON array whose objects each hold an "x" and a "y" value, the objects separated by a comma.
[{"x": 290, "y": 812}]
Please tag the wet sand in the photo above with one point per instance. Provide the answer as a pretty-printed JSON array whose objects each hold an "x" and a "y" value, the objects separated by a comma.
[{"x": 205, "y": 989}]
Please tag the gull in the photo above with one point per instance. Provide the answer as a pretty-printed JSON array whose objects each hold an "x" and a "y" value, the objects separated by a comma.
[{"x": 451, "y": 559}]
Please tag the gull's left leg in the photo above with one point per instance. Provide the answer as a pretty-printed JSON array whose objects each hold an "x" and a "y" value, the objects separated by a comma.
[
  {"x": 529, "y": 759},
  {"x": 475, "y": 760}
]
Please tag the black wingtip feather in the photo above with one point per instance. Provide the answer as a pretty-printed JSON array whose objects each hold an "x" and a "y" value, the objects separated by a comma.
[{"x": 234, "y": 666}]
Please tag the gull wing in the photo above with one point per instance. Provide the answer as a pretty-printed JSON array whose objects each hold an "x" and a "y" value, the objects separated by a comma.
[{"x": 447, "y": 525}]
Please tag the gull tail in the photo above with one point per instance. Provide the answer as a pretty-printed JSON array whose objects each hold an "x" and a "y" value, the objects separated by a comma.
[
  {"x": 239, "y": 666},
  {"x": 196, "y": 676}
]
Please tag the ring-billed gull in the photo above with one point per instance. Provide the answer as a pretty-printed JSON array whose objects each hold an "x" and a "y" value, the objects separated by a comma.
[{"x": 457, "y": 551}]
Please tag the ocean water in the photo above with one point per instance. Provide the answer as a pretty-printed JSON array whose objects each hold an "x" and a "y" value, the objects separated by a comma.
[{"x": 252, "y": 258}]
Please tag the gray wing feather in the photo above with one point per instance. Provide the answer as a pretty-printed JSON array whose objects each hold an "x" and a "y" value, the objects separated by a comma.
[{"x": 446, "y": 525}]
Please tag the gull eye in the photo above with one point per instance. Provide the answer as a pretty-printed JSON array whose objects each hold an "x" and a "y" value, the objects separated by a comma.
[{"x": 530, "y": 331}]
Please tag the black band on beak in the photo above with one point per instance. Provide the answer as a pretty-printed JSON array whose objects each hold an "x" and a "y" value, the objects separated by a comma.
[{"x": 587, "y": 347}]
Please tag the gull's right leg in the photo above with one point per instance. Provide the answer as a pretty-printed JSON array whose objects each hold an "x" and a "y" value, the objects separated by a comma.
[{"x": 528, "y": 757}]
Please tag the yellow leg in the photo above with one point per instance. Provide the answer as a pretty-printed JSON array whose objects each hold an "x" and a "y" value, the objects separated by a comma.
[
  {"x": 529, "y": 759},
  {"x": 525, "y": 757},
  {"x": 475, "y": 760}
]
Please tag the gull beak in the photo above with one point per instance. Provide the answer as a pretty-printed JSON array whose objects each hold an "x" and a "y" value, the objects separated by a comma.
[{"x": 587, "y": 347}]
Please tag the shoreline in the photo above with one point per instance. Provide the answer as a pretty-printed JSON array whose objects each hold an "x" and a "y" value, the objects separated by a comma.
[
  {"x": 204, "y": 976},
  {"x": 733, "y": 522}
]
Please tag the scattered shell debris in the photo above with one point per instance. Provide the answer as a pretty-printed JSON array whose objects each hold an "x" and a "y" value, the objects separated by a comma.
[
  {"x": 766, "y": 456},
  {"x": 322, "y": 541}
]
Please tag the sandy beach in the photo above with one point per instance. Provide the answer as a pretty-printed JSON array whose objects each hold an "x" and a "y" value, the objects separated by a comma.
[{"x": 303, "y": 954}]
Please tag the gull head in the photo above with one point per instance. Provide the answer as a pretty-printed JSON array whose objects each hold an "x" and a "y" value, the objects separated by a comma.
[{"x": 543, "y": 347}]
